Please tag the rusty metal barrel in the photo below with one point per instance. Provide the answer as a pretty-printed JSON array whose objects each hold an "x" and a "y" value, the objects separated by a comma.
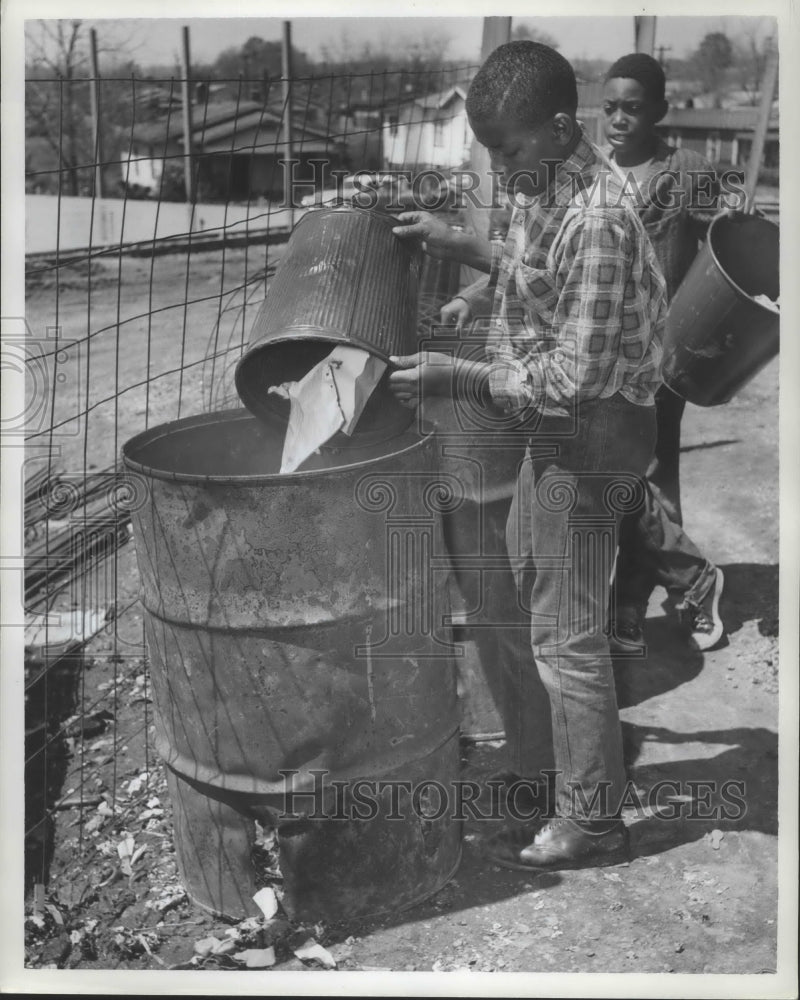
[
  {"x": 300, "y": 672},
  {"x": 344, "y": 278}
]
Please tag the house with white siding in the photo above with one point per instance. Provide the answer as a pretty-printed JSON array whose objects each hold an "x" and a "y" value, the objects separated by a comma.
[
  {"x": 433, "y": 131},
  {"x": 428, "y": 132}
]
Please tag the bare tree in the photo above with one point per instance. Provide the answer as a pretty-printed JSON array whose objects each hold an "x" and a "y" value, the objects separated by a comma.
[
  {"x": 711, "y": 60},
  {"x": 57, "y": 95},
  {"x": 751, "y": 46},
  {"x": 52, "y": 108},
  {"x": 525, "y": 30},
  {"x": 389, "y": 70},
  {"x": 255, "y": 58}
]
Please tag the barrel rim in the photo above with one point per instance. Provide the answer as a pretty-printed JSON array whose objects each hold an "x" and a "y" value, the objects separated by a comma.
[
  {"x": 426, "y": 435},
  {"x": 304, "y": 331},
  {"x": 258, "y": 402},
  {"x": 244, "y": 381},
  {"x": 380, "y": 214},
  {"x": 737, "y": 288}
]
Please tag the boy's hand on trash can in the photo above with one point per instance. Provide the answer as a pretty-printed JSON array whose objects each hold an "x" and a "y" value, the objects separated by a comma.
[
  {"x": 456, "y": 313},
  {"x": 436, "y": 235},
  {"x": 429, "y": 373}
]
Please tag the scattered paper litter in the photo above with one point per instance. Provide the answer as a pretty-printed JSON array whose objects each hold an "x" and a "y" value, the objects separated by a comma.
[
  {"x": 213, "y": 946},
  {"x": 125, "y": 847},
  {"x": 768, "y": 303},
  {"x": 328, "y": 399},
  {"x": 136, "y": 784},
  {"x": 167, "y": 902},
  {"x": 311, "y": 951},
  {"x": 266, "y": 900},
  {"x": 205, "y": 946},
  {"x": 95, "y": 823},
  {"x": 256, "y": 958},
  {"x": 250, "y": 925},
  {"x": 138, "y": 853},
  {"x": 125, "y": 850}
]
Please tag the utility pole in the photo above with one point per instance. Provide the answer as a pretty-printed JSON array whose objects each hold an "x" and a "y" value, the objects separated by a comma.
[
  {"x": 186, "y": 91},
  {"x": 286, "y": 69},
  {"x": 94, "y": 96},
  {"x": 69, "y": 129},
  {"x": 760, "y": 136},
  {"x": 247, "y": 87},
  {"x": 644, "y": 29},
  {"x": 661, "y": 50},
  {"x": 496, "y": 32}
]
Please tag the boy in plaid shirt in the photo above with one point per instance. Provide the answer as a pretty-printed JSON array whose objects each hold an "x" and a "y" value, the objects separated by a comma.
[{"x": 577, "y": 314}]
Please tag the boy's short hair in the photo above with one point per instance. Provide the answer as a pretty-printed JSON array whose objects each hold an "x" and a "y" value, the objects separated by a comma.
[
  {"x": 525, "y": 81},
  {"x": 643, "y": 69}
]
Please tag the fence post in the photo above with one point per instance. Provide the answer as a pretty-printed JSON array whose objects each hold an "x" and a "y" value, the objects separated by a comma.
[
  {"x": 186, "y": 91},
  {"x": 286, "y": 67},
  {"x": 760, "y": 135},
  {"x": 496, "y": 32},
  {"x": 644, "y": 30},
  {"x": 95, "y": 111}
]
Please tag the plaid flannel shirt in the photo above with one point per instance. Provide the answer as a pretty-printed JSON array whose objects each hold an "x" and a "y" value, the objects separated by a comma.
[
  {"x": 676, "y": 201},
  {"x": 578, "y": 299}
]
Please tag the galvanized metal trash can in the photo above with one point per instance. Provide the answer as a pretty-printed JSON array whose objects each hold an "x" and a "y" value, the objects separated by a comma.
[
  {"x": 344, "y": 278},
  {"x": 293, "y": 625},
  {"x": 719, "y": 336}
]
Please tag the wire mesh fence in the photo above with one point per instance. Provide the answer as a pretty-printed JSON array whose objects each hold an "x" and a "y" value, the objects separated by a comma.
[{"x": 138, "y": 306}]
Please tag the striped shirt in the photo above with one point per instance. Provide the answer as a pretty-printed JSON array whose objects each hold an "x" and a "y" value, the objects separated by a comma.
[{"x": 578, "y": 299}]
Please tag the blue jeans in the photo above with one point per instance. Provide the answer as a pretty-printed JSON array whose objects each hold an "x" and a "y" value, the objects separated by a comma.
[
  {"x": 654, "y": 548},
  {"x": 578, "y": 479}
]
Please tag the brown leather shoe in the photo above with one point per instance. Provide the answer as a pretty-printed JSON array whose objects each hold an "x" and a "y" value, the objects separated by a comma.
[{"x": 563, "y": 843}]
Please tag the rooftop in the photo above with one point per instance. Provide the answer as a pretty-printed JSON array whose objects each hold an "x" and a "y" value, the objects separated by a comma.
[
  {"x": 218, "y": 120},
  {"x": 732, "y": 119}
]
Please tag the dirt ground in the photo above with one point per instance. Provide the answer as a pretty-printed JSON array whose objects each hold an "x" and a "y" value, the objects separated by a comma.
[{"x": 700, "y": 895}]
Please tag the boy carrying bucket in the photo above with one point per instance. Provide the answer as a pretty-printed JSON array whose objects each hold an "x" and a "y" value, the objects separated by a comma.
[
  {"x": 577, "y": 315},
  {"x": 676, "y": 192}
]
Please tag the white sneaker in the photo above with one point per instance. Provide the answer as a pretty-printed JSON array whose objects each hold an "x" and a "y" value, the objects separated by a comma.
[{"x": 703, "y": 619}]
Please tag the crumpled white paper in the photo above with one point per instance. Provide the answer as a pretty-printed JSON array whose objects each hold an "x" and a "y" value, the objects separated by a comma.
[{"x": 328, "y": 399}]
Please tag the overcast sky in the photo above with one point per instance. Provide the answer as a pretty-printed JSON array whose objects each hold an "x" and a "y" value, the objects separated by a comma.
[{"x": 158, "y": 40}]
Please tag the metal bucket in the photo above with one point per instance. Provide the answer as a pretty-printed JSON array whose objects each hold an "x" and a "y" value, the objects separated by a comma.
[
  {"x": 718, "y": 337},
  {"x": 293, "y": 629},
  {"x": 344, "y": 279}
]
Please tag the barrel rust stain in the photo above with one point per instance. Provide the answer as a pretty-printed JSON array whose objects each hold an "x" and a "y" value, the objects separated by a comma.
[{"x": 199, "y": 512}]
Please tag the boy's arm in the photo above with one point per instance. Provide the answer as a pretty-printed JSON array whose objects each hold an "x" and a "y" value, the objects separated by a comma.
[
  {"x": 598, "y": 272},
  {"x": 480, "y": 295},
  {"x": 440, "y": 240}
]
